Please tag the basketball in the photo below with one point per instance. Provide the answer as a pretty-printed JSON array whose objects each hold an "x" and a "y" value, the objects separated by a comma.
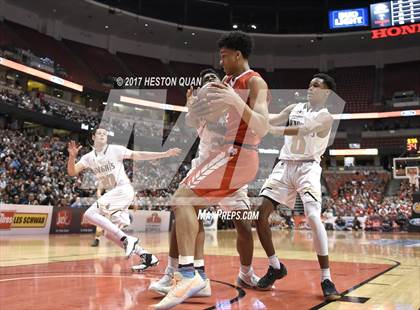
[{"x": 210, "y": 111}]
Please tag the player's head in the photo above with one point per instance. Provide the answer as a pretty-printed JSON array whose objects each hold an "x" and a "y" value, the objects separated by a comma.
[
  {"x": 320, "y": 88},
  {"x": 100, "y": 135},
  {"x": 235, "y": 48},
  {"x": 208, "y": 76}
]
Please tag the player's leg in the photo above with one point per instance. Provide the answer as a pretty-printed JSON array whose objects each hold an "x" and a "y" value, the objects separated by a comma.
[
  {"x": 199, "y": 261},
  {"x": 320, "y": 240},
  {"x": 99, "y": 232},
  {"x": 118, "y": 198},
  {"x": 263, "y": 227},
  {"x": 239, "y": 203},
  {"x": 274, "y": 191},
  {"x": 276, "y": 269},
  {"x": 122, "y": 218},
  {"x": 310, "y": 193},
  {"x": 94, "y": 216},
  {"x": 163, "y": 285},
  {"x": 245, "y": 247},
  {"x": 188, "y": 281}
]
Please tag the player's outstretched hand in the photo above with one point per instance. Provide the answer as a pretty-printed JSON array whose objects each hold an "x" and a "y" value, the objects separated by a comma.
[
  {"x": 73, "y": 148},
  {"x": 173, "y": 152}
]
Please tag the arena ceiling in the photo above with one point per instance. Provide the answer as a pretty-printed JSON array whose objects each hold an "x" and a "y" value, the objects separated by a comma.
[{"x": 96, "y": 17}]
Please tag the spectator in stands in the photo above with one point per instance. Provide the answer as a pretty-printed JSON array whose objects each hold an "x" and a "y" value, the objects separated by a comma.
[
  {"x": 356, "y": 224},
  {"x": 77, "y": 203},
  {"x": 387, "y": 224},
  {"x": 340, "y": 223}
]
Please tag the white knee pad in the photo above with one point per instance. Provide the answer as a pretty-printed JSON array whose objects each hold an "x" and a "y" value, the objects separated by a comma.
[{"x": 319, "y": 234}]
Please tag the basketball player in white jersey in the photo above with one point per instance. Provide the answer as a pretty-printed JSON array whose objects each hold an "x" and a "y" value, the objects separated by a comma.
[
  {"x": 211, "y": 137},
  {"x": 299, "y": 172},
  {"x": 110, "y": 211}
]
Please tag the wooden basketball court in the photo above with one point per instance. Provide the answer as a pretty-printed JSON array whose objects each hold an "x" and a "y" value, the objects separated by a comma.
[{"x": 373, "y": 270}]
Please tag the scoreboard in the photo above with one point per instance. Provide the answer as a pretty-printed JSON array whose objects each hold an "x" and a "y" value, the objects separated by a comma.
[
  {"x": 412, "y": 145},
  {"x": 394, "y": 13},
  {"x": 384, "y": 14}
]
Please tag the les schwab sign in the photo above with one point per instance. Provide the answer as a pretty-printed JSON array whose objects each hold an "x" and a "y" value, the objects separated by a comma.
[
  {"x": 13, "y": 219},
  {"x": 395, "y": 31}
]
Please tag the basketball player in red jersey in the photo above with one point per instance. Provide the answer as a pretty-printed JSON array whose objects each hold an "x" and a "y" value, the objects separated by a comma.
[{"x": 230, "y": 167}]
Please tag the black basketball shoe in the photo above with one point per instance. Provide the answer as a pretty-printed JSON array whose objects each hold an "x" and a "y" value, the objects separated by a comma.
[
  {"x": 147, "y": 260},
  {"x": 95, "y": 243},
  {"x": 267, "y": 281},
  {"x": 329, "y": 290}
]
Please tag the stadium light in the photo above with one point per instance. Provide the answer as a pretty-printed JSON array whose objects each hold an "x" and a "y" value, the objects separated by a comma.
[{"x": 40, "y": 74}]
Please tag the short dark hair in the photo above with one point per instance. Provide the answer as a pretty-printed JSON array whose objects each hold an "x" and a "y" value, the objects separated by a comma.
[
  {"x": 96, "y": 128},
  {"x": 237, "y": 40},
  {"x": 328, "y": 80},
  {"x": 207, "y": 71}
]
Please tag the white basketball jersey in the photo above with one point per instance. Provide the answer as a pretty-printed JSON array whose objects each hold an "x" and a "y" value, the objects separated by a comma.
[
  {"x": 108, "y": 166},
  {"x": 310, "y": 146},
  {"x": 209, "y": 141}
]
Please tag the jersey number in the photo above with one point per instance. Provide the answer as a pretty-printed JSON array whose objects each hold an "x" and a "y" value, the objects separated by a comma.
[
  {"x": 298, "y": 145},
  {"x": 107, "y": 181}
]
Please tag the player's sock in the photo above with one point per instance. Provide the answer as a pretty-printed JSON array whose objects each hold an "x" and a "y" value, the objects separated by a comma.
[
  {"x": 325, "y": 274},
  {"x": 245, "y": 269},
  {"x": 186, "y": 266},
  {"x": 199, "y": 266},
  {"x": 274, "y": 261},
  {"x": 139, "y": 250}
]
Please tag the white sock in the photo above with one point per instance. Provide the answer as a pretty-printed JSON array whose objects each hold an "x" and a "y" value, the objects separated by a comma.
[
  {"x": 198, "y": 263},
  {"x": 325, "y": 274},
  {"x": 173, "y": 263},
  {"x": 139, "y": 250},
  {"x": 245, "y": 269},
  {"x": 274, "y": 261},
  {"x": 186, "y": 260}
]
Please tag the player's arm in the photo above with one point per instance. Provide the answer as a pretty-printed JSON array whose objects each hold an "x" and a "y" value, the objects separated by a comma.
[
  {"x": 73, "y": 168},
  {"x": 140, "y": 155},
  {"x": 191, "y": 119},
  {"x": 256, "y": 114},
  {"x": 99, "y": 191},
  {"x": 282, "y": 117},
  {"x": 320, "y": 125}
]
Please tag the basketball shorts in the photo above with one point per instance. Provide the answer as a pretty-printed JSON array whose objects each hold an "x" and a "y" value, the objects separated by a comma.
[
  {"x": 223, "y": 173},
  {"x": 115, "y": 203},
  {"x": 291, "y": 177}
]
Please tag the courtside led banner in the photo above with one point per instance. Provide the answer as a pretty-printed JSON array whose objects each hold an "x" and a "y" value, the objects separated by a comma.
[
  {"x": 348, "y": 18},
  {"x": 40, "y": 74},
  {"x": 353, "y": 152},
  {"x": 395, "y": 31}
]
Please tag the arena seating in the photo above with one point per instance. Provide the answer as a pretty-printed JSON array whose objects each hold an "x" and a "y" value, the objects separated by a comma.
[
  {"x": 394, "y": 81},
  {"x": 356, "y": 86},
  {"x": 100, "y": 61}
]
